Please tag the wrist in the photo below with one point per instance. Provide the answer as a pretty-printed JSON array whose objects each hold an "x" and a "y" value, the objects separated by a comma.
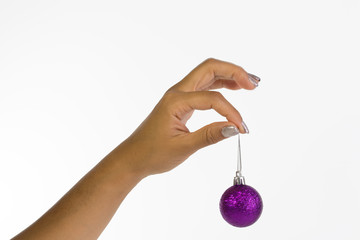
[{"x": 122, "y": 163}]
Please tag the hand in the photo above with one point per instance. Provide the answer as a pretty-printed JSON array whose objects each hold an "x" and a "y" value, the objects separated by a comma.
[
  {"x": 159, "y": 144},
  {"x": 163, "y": 141}
]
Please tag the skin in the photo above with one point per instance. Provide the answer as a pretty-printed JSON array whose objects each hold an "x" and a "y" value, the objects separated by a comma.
[{"x": 159, "y": 144}]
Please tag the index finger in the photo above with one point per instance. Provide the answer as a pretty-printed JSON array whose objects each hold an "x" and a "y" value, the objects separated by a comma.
[
  {"x": 213, "y": 73},
  {"x": 204, "y": 100}
]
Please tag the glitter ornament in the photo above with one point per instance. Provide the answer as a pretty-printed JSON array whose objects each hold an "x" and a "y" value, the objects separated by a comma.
[{"x": 240, "y": 205}]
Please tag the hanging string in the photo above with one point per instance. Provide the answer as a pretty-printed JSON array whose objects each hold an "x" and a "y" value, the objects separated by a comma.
[
  {"x": 239, "y": 166},
  {"x": 239, "y": 178}
]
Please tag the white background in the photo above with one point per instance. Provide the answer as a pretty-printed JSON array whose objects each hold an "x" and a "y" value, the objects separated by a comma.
[{"x": 77, "y": 77}]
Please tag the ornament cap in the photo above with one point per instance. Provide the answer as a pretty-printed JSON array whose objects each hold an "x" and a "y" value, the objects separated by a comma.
[{"x": 239, "y": 179}]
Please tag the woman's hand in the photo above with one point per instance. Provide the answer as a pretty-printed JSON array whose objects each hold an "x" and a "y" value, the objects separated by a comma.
[
  {"x": 159, "y": 144},
  {"x": 163, "y": 141}
]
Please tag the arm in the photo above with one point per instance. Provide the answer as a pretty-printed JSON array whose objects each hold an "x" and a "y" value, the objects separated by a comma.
[{"x": 159, "y": 144}]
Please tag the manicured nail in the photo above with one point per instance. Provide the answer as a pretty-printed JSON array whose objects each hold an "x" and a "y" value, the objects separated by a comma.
[
  {"x": 245, "y": 127},
  {"x": 229, "y": 131},
  {"x": 254, "y": 79}
]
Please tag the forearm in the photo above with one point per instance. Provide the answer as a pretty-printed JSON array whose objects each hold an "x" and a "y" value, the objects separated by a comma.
[{"x": 84, "y": 211}]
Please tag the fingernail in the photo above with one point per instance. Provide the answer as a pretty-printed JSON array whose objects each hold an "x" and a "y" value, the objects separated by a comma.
[
  {"x": 245, "y": 127},
  {"x": 254, "y": 79},
  {"x": 229, "y": 131}
]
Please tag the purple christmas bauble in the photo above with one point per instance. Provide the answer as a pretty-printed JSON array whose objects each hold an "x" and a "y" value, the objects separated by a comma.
[{"x": 241, "y": 205}]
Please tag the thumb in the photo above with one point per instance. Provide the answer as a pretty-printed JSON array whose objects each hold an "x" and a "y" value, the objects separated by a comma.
[{"x": 212, "y": 133}]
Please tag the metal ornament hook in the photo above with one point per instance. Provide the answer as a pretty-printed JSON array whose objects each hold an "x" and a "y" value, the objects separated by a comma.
[{"x": 239, "y": 179}]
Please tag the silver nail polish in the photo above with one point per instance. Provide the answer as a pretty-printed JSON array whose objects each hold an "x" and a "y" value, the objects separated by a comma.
[
  {"x": 229, "y": 131},
  {"x": 255, "y": 77},
  {"x": 245, "y": 127},
  {"x": 252, "y": 80}
]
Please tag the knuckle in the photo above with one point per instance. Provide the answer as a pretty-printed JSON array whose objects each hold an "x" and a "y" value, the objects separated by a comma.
[
  {"x": 216, "y": 95},
  {"x": 209, "y": 137},
  {"x": 169, "y": 94},
  {"x": 169, "y": 98},
  {"x": 209, "y": 65},
  {"x": 210, "y": 60}
]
